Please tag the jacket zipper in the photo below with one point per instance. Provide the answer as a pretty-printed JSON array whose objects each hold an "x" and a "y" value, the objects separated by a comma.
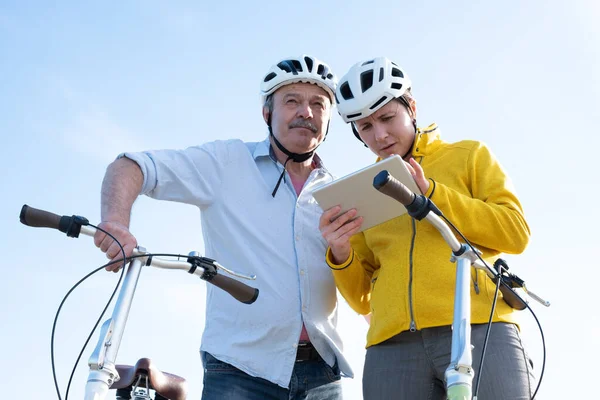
[
  {"x": 413, "y": 325},
  {"x": 372, "y": 288}
]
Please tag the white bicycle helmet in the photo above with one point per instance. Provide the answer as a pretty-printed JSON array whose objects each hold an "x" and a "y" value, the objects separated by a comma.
[
  {"x": 299, "y": 69},
  {"x": 368, "y": 86}
]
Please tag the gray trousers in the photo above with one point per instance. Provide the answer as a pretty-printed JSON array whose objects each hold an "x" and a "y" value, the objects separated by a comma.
[{"x": 411, "y": 365}]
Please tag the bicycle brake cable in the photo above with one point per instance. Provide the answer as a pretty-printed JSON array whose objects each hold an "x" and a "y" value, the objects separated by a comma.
[{"x": 486, "y": 338}]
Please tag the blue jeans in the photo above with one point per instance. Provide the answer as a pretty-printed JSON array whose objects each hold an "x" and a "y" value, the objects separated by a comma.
[{"x": 311, "y": 380}]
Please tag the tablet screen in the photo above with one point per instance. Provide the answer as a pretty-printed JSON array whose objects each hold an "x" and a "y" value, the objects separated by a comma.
[{"x": 356, "y": 191}]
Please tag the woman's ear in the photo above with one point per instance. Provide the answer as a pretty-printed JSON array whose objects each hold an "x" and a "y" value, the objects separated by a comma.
[{"x": 413, "y": 107}]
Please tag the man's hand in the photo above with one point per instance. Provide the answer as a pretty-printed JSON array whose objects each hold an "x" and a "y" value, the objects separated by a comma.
[
  {"x": 338, "y": 231},
  {"x": 110, "y": 247}
]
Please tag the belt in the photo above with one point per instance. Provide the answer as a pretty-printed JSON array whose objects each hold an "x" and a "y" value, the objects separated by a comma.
[{"x": 306, "y": 352}]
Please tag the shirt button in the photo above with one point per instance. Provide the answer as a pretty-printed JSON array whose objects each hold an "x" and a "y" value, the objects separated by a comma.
[
  {"x": 297, "y": 238},
  {"x": 295, "y": 345},
  {"x": 301, "y": 272}
]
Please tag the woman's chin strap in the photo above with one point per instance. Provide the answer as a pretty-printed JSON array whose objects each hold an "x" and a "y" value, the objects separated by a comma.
[{"x": 414, "y": 139}]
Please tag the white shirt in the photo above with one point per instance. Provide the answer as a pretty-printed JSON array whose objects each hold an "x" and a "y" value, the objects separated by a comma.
[{"x": 276, "y": 238}]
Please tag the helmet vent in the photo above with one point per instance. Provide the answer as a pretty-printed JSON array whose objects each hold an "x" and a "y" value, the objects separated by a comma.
[
  {"x": 309, "y": 63},
  {"x": 299, "y": 69},
  {"x": 346, "y": 92},
  {"x": 369, "y": 85},
  {"x": 397, "y": 73},
  {"x": 270, "y": 76},
  {"x": 297, "y": 65},
  {"x": 378, "y": 102},
  {"x": 320, "y": 69},
  {"x": 366, "y": 80},
  {"x": 285, "y": 66}
]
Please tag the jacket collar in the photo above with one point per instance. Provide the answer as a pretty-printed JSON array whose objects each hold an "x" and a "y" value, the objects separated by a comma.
[{"x": 427, "y": 141}]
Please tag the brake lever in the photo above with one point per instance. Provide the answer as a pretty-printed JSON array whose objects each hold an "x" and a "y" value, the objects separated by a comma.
[
  {"x": 211, "y": 265},
  {"x": 514, "y": 281}
]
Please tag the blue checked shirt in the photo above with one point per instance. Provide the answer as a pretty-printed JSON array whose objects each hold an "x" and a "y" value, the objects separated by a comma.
[{"x": 276, "y": 238}]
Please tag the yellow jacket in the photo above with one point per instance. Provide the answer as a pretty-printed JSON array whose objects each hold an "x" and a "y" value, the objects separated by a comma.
[{"x": 400, "y": 271}]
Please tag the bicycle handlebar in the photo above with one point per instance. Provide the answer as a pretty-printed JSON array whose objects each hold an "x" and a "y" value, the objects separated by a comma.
[
  {"x": 418, "y": 206},
  {"x": 75, "y": 225}
]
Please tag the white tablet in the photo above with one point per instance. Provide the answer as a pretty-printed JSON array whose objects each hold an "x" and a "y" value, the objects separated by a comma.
[{"x": 356, "y": 191}]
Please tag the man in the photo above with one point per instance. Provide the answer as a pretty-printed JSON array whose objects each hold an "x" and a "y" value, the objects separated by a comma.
[{"x": 257, "y": 210}]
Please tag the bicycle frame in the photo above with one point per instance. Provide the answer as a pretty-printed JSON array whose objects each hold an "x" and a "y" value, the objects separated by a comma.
[{"x": 459, "y": 374}]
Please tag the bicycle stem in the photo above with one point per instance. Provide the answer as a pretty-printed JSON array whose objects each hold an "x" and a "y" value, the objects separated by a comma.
[{"x": 459, "y": 374}]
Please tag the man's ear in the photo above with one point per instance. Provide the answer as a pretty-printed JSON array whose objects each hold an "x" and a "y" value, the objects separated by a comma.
[{"x": 266, "y": 115}]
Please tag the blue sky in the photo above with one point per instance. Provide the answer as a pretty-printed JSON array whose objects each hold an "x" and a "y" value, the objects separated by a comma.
[{"x": 84, "y": 81}]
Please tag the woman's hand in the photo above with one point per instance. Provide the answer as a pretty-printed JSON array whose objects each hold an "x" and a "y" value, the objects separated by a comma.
[
  {"x": 338, "y": 230},
  {"x": 419, "y": 176}
]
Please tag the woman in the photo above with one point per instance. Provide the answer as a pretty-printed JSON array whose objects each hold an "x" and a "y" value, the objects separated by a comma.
[{"x": 400, "y": 271}]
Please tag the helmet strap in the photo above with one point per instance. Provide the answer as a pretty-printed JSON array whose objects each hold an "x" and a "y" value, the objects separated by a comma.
[
  {"x": 414, "y": 121},
  {"x": 295, "y": 157}
]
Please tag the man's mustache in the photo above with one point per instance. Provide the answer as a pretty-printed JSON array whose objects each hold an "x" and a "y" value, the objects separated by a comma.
[{"x": 300, "y": 123}]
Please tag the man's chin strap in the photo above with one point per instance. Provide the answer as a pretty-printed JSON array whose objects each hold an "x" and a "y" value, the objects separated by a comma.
[
  {"x": 291, "y": 156},
  {"x": 295, "y": 157}
]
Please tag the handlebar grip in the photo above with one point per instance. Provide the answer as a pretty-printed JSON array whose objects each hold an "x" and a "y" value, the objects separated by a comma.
[
  {"x": 44, "y": 219},
  {"x": 39, "y": 218},
  {"x": 242, "y": 292},
  {"x": 387, "y": 184}
]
